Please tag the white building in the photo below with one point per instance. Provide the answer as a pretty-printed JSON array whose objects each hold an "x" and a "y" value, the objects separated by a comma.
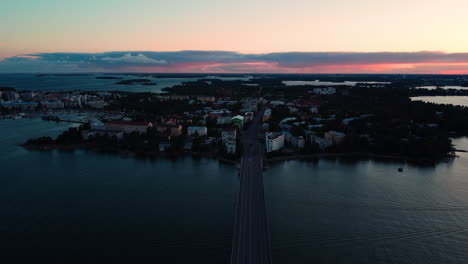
[
  {"x": 197, "y": 130},
  {"x": 52, "y": 104},
  {"x": 228, "y": 134},
  {"x": 224, "y": 120},
  {"x": 18, "y": 105},
  {"x": 230, "y": 146},
  {"x": 324, "y": 91},
  {"x": 266, "y": 114},
  {"x": 249, "y": 116},
  {"x": 274, "y": 141},
  {"x": 238, "y": 120}
]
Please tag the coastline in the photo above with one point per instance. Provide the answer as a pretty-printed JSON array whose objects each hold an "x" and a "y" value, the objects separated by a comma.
[
  {"x": 129, "y": 154},
  {"x": 268, "y": 161}
]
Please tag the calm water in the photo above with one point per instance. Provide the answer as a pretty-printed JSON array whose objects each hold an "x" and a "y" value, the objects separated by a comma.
[
  {"x": 90, "y": 83},
  {"x": 89, "y": 208},
  {"x": 454, "y": 100},
  {"x": 443, "y": 87}
]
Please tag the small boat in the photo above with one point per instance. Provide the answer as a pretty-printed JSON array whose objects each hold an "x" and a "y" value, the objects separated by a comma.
[{"x": 400, "y": 169}]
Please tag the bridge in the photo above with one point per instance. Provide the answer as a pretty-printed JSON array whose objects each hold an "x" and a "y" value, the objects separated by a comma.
[{"x": 251, "y": 243}]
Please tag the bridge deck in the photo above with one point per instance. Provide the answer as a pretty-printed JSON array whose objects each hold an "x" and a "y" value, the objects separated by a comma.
[{"x": 251, "y": 244}]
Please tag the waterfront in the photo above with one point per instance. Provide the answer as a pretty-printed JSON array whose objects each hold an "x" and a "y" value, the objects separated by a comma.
[{"x": 98, "y": 207}]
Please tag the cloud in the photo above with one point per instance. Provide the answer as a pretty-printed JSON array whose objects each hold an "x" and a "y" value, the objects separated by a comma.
[
  {"x": 227, "y": 61},
  {"x": 138, "y": 59}
]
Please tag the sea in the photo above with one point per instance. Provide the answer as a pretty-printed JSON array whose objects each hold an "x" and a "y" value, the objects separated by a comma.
[
  {"x": 84, "y": 207},
  {"x": 91, "y": 82}
]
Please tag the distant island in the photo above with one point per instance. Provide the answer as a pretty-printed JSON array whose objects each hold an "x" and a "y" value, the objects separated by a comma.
[
  {"x": 136, "y": 81},
  {"x": 108, "y": 78}
]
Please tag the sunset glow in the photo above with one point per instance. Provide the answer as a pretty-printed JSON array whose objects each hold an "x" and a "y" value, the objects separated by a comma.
[{"x": 258, "y": 27}]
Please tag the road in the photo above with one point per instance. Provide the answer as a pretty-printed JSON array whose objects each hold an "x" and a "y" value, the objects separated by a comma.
[{"x": 251, "y": 243}]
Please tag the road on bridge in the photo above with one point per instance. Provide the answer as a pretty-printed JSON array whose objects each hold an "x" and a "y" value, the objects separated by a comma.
[{"x": 251, "y": 243}]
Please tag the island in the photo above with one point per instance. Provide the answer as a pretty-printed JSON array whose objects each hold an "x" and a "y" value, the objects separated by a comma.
[
  {"x": 136, "y": 81},
  {"x": 206, "y": 118}
]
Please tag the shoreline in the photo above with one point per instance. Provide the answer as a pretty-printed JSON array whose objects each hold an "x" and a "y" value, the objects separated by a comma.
[
  {"x": 268, "y": 161},
  {"x": 129, "y": 154}
]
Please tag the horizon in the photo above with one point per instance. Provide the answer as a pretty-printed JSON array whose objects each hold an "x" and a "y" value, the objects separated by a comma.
[
  {"x": 330, "y": 37},
  {"x": 228, "y": 62}
]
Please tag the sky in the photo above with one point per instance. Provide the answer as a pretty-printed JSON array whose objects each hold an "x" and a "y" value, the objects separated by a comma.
[{"x": 316, "y": 36}]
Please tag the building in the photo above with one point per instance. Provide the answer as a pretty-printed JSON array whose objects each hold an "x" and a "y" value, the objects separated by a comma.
[
  {"x": 228, "y": 134},
  {"x": 197, "y": 130},
  {"x": 324, "y": 91},
  {"x": 206, "y": 98},
  {"x": 97, "y": 104},
  {"x": 249, "y": 116},
  {"x": 28, "y": 95},
  {"x": 321, "y": 142},
  {"x": 298, "y": 142},
  {"x": 266, "y": 114},
  {"x": 230, "y": 146},
  {"x": 238, "y": 120},
  {"x": 224, "y": 120},
  {"x": 274, "y": 141},
  {"x": 24, "y": 106},
  {"x": 172, "y": 130},
  {"x": 11, "y": 95},
  {"x": 334, "y": 137},
  {"x": 128, "y": 126},
  {"x": 52, "y": 104}
]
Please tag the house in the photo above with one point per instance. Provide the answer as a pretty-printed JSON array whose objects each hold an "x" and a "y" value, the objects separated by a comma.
[
  {"x": 18, "y": 105},
  {"x": 321, "y": 142},
  {"x": 298, "y": 142},
  {"x": 238, "y": 120},
  {"x": 197, "y": 130},
  {"x": 230, "y": 146},
  {"x": 52, "y": 104},
  {"x": 324, "y": 91},
  {"x": 335, "y": 137},
  {"x": 274, "y": 141},
  {"x": 206, "y": 98},
  {"x": 128, "y": 126},
  {"x": 228, "y": 134},
  {"x": 224, "y": 120},
  {"x": 249, "y": 116},
  {"x": 266, "y": 114},
  {"x": 172, "y": 130}
]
